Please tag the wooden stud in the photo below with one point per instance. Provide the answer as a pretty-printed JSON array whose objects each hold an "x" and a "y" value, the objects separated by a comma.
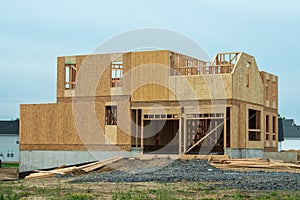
[
  {"x": 142, "y": 130},
  {"x": 136, "y": 127}
]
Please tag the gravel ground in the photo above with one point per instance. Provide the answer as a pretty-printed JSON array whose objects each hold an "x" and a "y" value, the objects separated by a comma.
[{"x": 165, "y": 170}]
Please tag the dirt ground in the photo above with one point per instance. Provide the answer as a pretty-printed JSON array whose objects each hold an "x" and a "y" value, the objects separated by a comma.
[
  {"x": 61, "y": 188},
  {"x": 8, "y": 173},
  {"x": 64, "y": 187}
]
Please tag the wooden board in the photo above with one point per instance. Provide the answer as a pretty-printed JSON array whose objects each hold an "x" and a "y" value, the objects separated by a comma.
[{"x": 84, "y": 168}]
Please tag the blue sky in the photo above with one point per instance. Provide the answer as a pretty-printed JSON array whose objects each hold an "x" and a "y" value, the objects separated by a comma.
[{"x": 34, "y": 33}]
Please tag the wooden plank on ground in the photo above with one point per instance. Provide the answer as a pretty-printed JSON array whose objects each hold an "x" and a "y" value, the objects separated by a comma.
[
  {"x": 102, "y": 163},
  {"x": 84, "y": 168}
]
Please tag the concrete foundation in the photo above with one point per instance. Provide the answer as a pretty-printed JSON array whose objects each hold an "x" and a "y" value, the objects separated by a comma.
[
  {"x": 244, "y": 153},
  {"x": 31, "y": 160},
  {"x": 285, "y": 156}
]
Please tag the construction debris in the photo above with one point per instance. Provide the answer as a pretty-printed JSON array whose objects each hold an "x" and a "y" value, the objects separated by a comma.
[
  {"x": 74, "y": 170},
  {"x": 204, "y": 157}
]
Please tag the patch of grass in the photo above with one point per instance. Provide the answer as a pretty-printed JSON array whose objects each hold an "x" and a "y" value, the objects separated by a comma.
[
  {"x": 8, "y": 195},
  {"x": 239, "y": 196},
  {"x": 274, "y": 194},
  {"x": 152, "y": 191},
  {"x": 25, "y": 193},
  {"x": 10, "y": 165},
  {"x": 164, "y": 194},
  {"x": 158, "y": 194},
  {"x": 277, "y": 196},
  {"x": 79, "y": 196}
]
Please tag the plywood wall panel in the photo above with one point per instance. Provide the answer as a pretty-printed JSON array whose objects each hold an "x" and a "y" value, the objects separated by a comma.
[
  {"x": 201, "y": 87},
  {"x": 240, "y": 91},
  {"x": 242, "y": 121},
  {"x": 234, "y": 127},
  {"x": 124, "y": 123},
  {"x": 48, "y": 124},
  {"x": 149, "y": 75},
  {"x": 60, "y": 84}
]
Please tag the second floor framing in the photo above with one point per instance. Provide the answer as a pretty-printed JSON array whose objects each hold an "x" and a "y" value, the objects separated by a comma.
[{"x": 236, "y": 73}]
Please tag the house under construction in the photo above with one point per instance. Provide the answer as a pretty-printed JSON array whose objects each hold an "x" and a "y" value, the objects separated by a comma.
[{"x": 151, "y": 102}]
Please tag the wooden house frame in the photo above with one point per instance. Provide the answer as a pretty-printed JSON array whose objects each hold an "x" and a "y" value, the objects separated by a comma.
[{"x": 236, "y": 113}]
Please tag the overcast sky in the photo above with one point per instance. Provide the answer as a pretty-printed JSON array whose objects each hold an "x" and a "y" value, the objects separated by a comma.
[{"x": 34, "y": 33}]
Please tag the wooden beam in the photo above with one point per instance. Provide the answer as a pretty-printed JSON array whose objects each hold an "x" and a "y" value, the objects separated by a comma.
[
  {"x": 212, "y": 131},
  {"x": 136, "y": 127},
  {"x": 180, "y": 136},
  {"x": 184, "y": 133},
  {"x": 225, "y": 130},
  {"x": 142, "y": 130}
]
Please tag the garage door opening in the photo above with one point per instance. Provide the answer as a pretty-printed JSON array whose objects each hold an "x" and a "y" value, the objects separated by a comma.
[
  {"x": 161, "y": 137},
  {"x": 205, "y": 134}
]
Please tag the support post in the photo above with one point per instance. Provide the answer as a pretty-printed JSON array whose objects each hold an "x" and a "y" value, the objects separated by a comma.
[
  {"x": 136, "y": 127},
  {"x": 225, "y": 129},
  {"x": 142, "y": 131},
  {"x": 184, "y": 133},
  {"x": 180, "y": 136}
]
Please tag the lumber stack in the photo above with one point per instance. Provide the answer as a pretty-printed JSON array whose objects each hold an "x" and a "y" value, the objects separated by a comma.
[
  {"x": 204, "y": 157},
  {"x": 253, "y": 163},
  {"x": 74, "y": 170}
]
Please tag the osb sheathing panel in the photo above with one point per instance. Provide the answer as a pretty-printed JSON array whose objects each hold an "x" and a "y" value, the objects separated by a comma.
[
  {"x": 126, "y": 88},
  {"x": 60, "y": 84},
  {"x": 93, "y": 78},
  {"x": 201, "y": 87},
  {"x": 24, "y": 122},
  {"x": 75, "y": 147},
  {"x": 124, "y": 123},
  {"x": 89, "y": 128},
  {"x": 96, "y": 79},
  {"x": 100, "y": 111},
  {"x": 242, "y": 121},
  {"x": 234, "y": 127},
  {"x": 56, "y": 125},
  {"x": 150, "y": 92},
  {"x": 80, "y": 60},
  {"x": 150, "y": 81},
  {"x": 52, "y": 127},
  {"x": 240, "y": 91},
  {"x": 263, "y": 78},
  {"x": 111, "y": 134},
  {"x": 272, "y": 80}
]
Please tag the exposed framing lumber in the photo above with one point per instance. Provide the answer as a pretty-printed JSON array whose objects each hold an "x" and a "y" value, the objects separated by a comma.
[
  {"x": 212, "y": 131},
  {"x": 136, "y": 127},
  {"x": 142, "y": 129},
  {"x": 180, "y": 136},
  {"x": 184, "y": 132}
]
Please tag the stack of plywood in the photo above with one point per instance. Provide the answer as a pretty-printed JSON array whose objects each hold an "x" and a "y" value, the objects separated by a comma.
[
  {"x": 74, "y": 170},
  {"x": 253, "y": 163}
]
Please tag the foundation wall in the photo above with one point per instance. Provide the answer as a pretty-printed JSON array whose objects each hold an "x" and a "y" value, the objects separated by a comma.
[
  {"x": 32, "y": 160},
  {"x": 244, "y": 153},
  {"x": 285, "y": 156}
]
